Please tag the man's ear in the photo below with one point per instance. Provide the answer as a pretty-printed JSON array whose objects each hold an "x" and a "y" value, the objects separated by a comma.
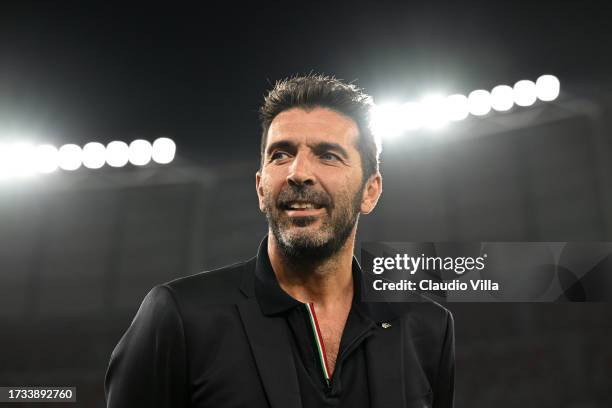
[
  {"x": 260, "y": 193},
  {"x": 371, "y": 193}
]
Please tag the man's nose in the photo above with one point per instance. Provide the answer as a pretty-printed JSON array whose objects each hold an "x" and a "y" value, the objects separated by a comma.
[{"x": 300, "y": 171}]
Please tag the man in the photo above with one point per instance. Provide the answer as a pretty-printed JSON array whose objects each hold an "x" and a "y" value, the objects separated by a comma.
[{"x": 288, "y": 328}]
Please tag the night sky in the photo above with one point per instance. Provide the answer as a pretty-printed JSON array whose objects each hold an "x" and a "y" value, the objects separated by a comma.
[{"x": 198, "y": 74}]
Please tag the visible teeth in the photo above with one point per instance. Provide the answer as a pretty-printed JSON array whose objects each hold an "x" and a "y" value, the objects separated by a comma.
[{"x": 301, "y": 206}]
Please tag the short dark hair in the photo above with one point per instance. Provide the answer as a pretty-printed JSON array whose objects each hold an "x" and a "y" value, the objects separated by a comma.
[{"x": 315, "y": 90}]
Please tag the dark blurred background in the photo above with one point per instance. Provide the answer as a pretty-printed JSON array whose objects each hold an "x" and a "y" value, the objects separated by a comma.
[{"x": 79, "y": 250}]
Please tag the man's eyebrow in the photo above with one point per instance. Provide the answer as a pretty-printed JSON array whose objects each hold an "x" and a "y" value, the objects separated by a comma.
[
  {"x": 281, "y": 144},
  {"x": 323, "y": 147},
  {"x": 317, "y": 148}
]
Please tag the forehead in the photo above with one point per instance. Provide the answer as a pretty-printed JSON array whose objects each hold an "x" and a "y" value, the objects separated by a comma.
[{"x": 313, "y": 125}]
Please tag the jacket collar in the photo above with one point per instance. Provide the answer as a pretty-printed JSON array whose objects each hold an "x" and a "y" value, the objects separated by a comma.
[
  {"x": 259, "y": 281},
  {"x": 269, "y": 337}
]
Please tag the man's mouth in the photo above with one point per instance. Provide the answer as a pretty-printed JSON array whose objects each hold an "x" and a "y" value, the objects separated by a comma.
[
  {"x": 302, "y": 205},
  {"x": 303, "y": 209}
]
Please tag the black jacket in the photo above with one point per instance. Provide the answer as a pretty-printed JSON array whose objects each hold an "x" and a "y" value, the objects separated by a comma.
[{"x": 202, "y": 341}]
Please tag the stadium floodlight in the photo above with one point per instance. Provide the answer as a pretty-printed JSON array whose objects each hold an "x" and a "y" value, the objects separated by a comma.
[
  {"x": 479, "y": 102},
  {"x": 47, "y": 159},
  {"x": 5, "y": 160},
  {"x": 390, "y": 120},
  {"x": 547, "y": 88},
  {"x": 433, "y": 111},
  {"x": 457, "y": 107},
  {"x": 70, "y": 157},
  {"x": 164, "y": 150},
  {"x": 411, "y": 116},
  {"x": 140, "y": 152},
  {"x": 94, "y": 155},
  {"x": 16, "y": 160},
  {"x": 502, "y": 98},
  {"x": 24, "y": 159},
  {"x": 117, "y": 153},
  {"x": 387, "y": 120},
  {"x": 525, "y": 93}
]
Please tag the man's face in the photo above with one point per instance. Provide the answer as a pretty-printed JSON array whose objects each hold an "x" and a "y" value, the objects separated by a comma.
[{"x": 310, "y": 185}]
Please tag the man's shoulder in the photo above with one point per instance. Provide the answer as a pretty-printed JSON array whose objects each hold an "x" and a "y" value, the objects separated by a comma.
[{"x": 216, "y": 286}]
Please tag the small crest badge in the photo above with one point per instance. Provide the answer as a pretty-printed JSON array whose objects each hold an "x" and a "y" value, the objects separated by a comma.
[{"x": 385, "y": 325}]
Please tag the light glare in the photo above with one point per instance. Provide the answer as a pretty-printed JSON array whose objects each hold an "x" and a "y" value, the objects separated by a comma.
[
  {"x": 386, "y": 120},
  {"x": 502, "y": 98},
  {"x": 3, "y": 160},
  {"x": 17, "y": 160},
  {"x": 547, "y": 88},
  {"x": 140, "y": 152},
  {"x": 525, "y": 93},
  {"x": 70, "y": 157},
  {"x": 117, "y": 153},
  {"x": 47, "y": 159},
  {"x": 479, "y": 102},
  {"x": 411, "y": 115},
  {"x": 164, "y": 150},
  {"x": 94, "y": 155},
  {"x": 433, "y": 110},
  {"x": 457, "y": 107}
]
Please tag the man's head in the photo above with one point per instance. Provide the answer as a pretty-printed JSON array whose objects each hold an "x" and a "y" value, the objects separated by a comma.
[
  {"x": 319, "y": 166},
  {"x": 310, "y": 91}
]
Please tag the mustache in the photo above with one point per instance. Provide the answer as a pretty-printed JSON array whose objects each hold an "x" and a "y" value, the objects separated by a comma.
[{"x": 287, "y": 196}]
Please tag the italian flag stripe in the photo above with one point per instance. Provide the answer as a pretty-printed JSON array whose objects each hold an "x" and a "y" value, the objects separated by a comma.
[{"x": 319, "y": 340}]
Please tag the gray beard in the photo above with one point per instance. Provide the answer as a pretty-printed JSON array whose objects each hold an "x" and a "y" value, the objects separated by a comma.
[{"x": 305, "y": 251}]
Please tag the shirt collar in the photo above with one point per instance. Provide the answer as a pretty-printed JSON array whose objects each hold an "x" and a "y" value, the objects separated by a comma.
[{"x": 273, "y": 299}]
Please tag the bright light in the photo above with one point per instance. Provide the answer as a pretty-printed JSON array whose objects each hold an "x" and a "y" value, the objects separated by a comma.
[
  {"x": 525, "y": 93},
  {"x": 457, "y": 107},
  {"x": 24, "y": 159},
  {"x": 163, "y": 150},
  {"x": 411, "y": 116},
  {"x": 17, "y": 160},
  {"x": 4, "y": 160},
  {"x": 70, "y": 157},
  {"x": 547, "y": 88},
  {"x": 94, "y": 155},
  {"x": 47, "y": 158},
  {"x": 479, "y": 102},
  {"x": 117, "y": 154},
  {"x": 140, "y": 152},
  {"x": 386, "y": 121},
  {"x": 433, "y": 110},
  {"x": 390, "y": 120},
  {"x": 502, "y": 98}
]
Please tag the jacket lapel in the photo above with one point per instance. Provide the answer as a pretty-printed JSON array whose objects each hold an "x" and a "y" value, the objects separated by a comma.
[
  {"x": 384, "y": 353},
  {"x": 270, "y": 343}
]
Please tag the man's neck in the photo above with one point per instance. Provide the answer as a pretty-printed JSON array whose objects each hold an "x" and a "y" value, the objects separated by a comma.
[{"x": 328, "y": 284}]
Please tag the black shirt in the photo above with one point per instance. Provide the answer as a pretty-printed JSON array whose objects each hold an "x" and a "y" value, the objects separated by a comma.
[{"x": 348, "y": 386}]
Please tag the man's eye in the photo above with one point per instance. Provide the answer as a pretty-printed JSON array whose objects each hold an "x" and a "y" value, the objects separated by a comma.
[
  {"x": 277, "y": 155},
  {"x": 329, "y": 157}
]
